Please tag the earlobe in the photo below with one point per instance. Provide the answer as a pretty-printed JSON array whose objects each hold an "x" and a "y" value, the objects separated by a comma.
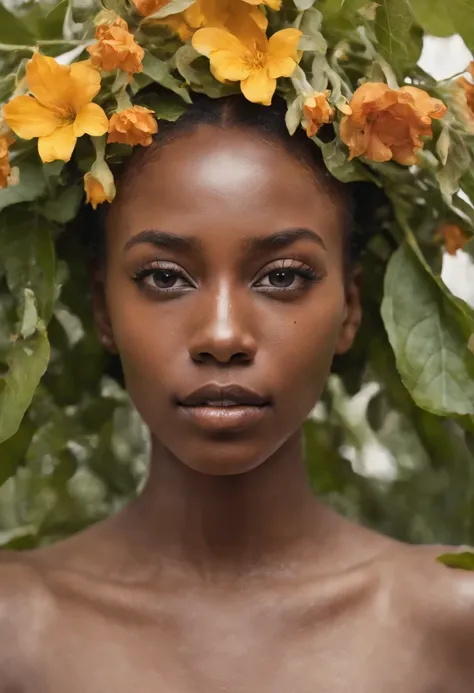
[{"x": 100, "y": 311}]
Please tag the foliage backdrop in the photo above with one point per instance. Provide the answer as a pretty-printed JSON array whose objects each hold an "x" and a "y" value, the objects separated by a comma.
[{"x": 79, "y": 452}]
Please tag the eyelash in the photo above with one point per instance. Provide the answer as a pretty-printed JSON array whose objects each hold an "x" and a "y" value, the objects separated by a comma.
[{"x": 301, "y": 270}]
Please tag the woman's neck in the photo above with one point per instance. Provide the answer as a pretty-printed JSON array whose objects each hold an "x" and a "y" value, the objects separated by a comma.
[{"x": 261, "y": 518}]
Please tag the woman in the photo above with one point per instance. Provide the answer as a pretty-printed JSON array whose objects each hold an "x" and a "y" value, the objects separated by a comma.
[
  {"x": 225, "y": 277},
  {"x": 226, "y": 284}
]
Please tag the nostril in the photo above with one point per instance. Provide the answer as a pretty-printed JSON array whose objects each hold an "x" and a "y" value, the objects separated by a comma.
[{"x": 207, "y": 357}]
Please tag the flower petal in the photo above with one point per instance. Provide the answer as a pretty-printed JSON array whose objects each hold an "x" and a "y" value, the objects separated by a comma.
[
  {"x": 259, "y": 87},
  {"x": 281, "y": 67},
  {"x": 284, "y": 43},
  {"x": 59, "y": 145},
  {"x": 435, "y": 108},
  {"x": 28, "y": 118},
  {"x": 227, "y": 66},
  {"x": 49, "y": 81},
  {"x": 85, "y": 83},
  {"x": 376, "y": 150},
  {"x": 206, "y": 41},
  {"x": 92, "y": 120}
]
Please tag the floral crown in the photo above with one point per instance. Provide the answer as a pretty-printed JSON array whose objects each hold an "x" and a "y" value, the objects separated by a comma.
[{"x": 349, "y": 63}]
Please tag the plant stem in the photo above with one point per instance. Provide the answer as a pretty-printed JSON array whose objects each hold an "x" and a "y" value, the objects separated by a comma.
[{"x": 42, "y": 42}]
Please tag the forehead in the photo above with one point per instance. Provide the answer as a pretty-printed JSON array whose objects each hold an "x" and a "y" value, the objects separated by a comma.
[{"x": 225, "y": 179}]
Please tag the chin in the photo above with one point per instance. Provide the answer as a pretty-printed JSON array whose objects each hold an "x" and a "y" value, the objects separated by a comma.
[{"x": 224, "y": 458}]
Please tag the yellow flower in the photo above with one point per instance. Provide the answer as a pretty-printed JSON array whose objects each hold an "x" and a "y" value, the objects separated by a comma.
[
  {"x": 251, "y": 59},
  {"x": 232, "y": 15},
  {"x": 135, "y": 125},
  {"x": 95, "y": 193},
  {"x": 273, "y": 4},
  {"x": 5, "y": 170},
  {"x": 389, "y": 123},
  {"x": 316, "y": 111},
  {"x": 60, "y": 109},
  {"x": 453, "y": 236},
  {"x": 116, "y": 48}
]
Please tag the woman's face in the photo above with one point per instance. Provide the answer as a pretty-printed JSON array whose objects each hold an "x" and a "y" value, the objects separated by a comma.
[{"x": 224, "y": 296}]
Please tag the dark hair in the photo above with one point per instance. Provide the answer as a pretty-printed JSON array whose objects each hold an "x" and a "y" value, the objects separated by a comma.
[{"x": 360, "y": 200}]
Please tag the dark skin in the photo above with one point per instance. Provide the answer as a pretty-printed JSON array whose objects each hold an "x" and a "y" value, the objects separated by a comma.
[{"x": 226, "y": 574}]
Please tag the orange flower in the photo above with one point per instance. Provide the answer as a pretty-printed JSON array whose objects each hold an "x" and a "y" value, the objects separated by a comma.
[
  {"x": 95, "y": 193},
  {"x": 133, "y": 126},
  {"x": 316, "y": 112},
  {"x": 468, "y": 87},
  {"x": 454, "y": 238},
  {"x": 60, "y": 108},
  {"x": 5, "y": 170},
  {"x": 116, "y": 48},
  {"x": 148, "y": 7},
  {"x": 389, "y": 123}
]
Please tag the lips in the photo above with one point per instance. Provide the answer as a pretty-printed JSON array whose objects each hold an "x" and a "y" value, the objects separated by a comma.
[
  {"x": 214, "y": 395},
  {"x": 224, "y": 409}
]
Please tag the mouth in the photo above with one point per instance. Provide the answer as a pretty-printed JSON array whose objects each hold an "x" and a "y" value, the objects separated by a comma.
[{"x": 224, "y": 407}]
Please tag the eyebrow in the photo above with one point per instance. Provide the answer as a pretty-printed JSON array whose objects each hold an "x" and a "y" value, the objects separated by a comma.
[
  {"x": 275, "y": 241},
  {"x": 282, "y": 239},
  {"x": 162, "y": 239}
]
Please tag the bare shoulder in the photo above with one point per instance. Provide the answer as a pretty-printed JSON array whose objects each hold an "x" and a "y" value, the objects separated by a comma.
[
  {"x": 441, "y": 600},
  {"x": 25, "y": 606}
]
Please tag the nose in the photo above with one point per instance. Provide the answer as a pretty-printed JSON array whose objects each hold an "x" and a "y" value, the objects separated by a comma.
[{"x": 223, "y": 334}]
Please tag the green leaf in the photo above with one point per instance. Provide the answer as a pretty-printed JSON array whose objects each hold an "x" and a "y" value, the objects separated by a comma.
[
  {"x": 172, "y": 7},
  {"x": 443, "y": 145},
  {"x": 434, "y": 16},
  {"x": 430, "y": 346},
  {"x": 27, "y": 362},
  {"x": 304, "y": 4},
  {"x": 159, "y": 71},
  {"x": 12, "y": 30},
  {"x": 336, "y": 159},
  {"x": 462, "y": 17},
  {"x": 165, "y": 106},
  {"x": 394, "y": 29},
  {"x": 13, "y": 450},
  {"x": 458, "y": 161},
  {"x": 31, "y": 186},
  {"x": 27, "y": 249},
  {"x": 52, "y": 25},
  {"x": 462, "y": 561},
  {"x": 65, "y": 206},
  {"x": 339, "y": 7},
  {"x": 294, "y": 114},
  {"x": 7, "y": 85}
]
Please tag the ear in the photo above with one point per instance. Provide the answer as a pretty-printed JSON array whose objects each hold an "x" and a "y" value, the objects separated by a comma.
[
  {"x": 353, "y": 313},
  {"x": 100, "y": 311}
]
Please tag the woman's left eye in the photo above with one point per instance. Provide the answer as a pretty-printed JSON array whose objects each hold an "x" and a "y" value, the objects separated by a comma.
[
  {"x": 292, "y": 278},
  {"x": 161, "y": 279}
]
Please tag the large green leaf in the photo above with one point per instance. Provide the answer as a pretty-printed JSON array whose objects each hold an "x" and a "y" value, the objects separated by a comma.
[
  {"x": 26, "y": 364},
  {"x": 434, "y": 16},
  {"x": 462, "y": 16},
  {"x": 398, "y": 38},
  {"x": 430, "y": 346},
  {"x": 27, "y": 252},
  {"x": 31, "y": 186}
]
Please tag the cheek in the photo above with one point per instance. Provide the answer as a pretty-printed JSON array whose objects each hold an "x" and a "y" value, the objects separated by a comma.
[
  {"x": 141, "y": 341},
  {"x": 306, "y": 352}
]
